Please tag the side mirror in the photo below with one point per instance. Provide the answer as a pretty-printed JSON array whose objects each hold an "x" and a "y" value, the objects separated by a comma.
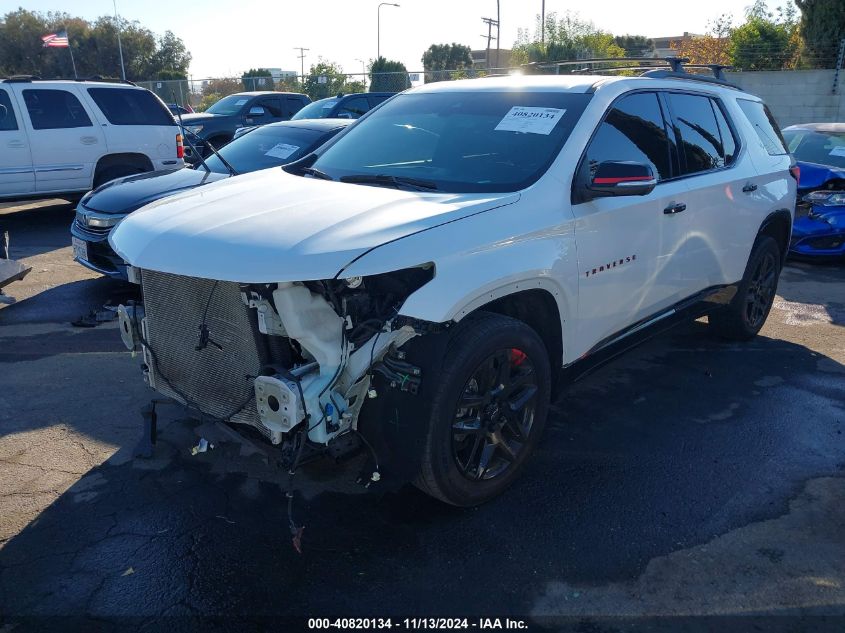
[
  {"x": 622, "y": 178},
  {"x": 256, "y": 111}
]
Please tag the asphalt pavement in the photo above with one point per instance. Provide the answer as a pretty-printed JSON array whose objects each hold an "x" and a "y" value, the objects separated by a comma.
[{"x": 690, "y": 477}]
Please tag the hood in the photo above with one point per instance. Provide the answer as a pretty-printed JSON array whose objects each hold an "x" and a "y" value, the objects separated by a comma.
[
  {"x": 125, "y": 195},
  {"x": 270, "y": 226},
  {"x": 198, "y": 117},
  {"x": 814, "y": 175}
]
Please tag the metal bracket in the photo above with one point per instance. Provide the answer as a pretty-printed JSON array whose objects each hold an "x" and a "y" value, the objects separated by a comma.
[{"x": 146, "y": 446}]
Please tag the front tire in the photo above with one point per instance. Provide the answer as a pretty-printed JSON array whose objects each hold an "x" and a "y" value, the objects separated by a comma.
[
  {"x": 743, "y": 318},
  {"x": 488, "y": 411}
]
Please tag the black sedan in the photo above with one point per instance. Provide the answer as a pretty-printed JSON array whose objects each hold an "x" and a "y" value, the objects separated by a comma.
[{"x": 261, "y": 148}]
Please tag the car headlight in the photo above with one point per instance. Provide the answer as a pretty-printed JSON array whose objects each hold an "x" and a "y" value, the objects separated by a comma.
[
  {"x": 193, "y": 129},
  {"x": 826, "y": 198},
  {"x": 100, "y": 221}
]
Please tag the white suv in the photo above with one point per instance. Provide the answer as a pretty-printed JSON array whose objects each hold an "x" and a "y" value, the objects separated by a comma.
[
  {"x": 429, "y": 277},
  {"x": 67, "y": 137}
]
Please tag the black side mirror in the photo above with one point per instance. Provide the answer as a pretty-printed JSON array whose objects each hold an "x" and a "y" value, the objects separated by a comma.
[{"x": 622, "y": 178}]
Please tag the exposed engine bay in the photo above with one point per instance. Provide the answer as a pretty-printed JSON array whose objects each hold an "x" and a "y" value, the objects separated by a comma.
[{"x": 275, "y": 356}]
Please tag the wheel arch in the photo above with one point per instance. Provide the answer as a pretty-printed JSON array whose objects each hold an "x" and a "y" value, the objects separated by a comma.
[
  {"x": 536, "y": 306},
  {"x": 133, "y": 159},
  {"x": 778, "y": 226}
]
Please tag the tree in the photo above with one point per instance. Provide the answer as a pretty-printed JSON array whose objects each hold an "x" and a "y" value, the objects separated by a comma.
[
  {"x": 94, "y": 47},
  {"x": 765, "y": 42},
  {"x": 712, "y": 48},
  {"x": 567, "y": 38},
  {"x": 324, "y": 79},
  {"x": 257, "y": 79},
  {"x": 635, "y": 45},
  {"x": 444, "y": 57},
  {"x": 822, "y": 28},
  {"x": 387, "y": 75}
]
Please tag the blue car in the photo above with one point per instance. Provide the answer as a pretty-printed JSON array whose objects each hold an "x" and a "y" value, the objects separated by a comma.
[{"x": 819, "y": 228}]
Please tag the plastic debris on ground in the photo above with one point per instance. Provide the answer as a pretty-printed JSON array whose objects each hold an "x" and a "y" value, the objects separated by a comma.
[{"x": 202, "y": 446}]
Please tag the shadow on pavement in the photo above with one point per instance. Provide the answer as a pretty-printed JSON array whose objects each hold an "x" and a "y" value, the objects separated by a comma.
[
  {"x": 679, "y": 441},
  {"x": 33, "y": 231}
]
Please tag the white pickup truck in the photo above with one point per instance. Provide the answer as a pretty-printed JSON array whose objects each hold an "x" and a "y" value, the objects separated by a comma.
[{"x": 428, "y": 278}]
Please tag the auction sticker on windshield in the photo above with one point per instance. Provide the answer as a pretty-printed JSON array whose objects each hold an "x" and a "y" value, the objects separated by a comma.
[
  {"x": 838, "y": 151},
  {"x": 532, "y": 120},
  {"x": 281, "y": 150}
]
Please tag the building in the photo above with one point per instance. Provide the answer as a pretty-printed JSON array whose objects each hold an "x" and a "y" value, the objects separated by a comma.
[
  {"x": 663, "y": 45},
  {"x": 479, "y": 58},
  {"x": 279, "y": 75}
]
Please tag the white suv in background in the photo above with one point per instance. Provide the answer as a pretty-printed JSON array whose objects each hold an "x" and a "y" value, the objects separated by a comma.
[
  {"x": 67, "y": 137},
  {"x": 428, "y": 277}
]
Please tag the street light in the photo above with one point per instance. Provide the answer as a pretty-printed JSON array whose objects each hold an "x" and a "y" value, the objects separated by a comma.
[
  {"x": 378, "y": 26},
  {"x": 363, "y": 72}
]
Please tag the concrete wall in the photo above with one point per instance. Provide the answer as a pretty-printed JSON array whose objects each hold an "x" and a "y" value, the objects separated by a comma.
[{"x": 797, "y": 96}]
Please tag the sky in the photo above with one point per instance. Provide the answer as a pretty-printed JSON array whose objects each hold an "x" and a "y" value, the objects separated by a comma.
[{"x": 226, "y": 37}]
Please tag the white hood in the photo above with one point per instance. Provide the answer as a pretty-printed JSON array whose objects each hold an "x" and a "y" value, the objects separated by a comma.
[{"x": 271, "y": 226}]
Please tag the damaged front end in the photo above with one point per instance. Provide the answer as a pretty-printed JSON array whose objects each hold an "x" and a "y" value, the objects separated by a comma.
[{"x": 282, "y": 358}]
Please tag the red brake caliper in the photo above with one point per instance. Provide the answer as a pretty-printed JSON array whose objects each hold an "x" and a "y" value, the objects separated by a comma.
[{"x": 517, "y": 357}]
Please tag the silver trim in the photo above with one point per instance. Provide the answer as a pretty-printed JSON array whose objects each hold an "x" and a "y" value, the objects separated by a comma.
[
  {"x": 52, "y": 168},
  {"x": 17, "y": 170}
]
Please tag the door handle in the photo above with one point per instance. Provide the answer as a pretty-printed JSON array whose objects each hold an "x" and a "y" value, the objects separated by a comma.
[
  {"x": 16, "y": 143},
  {"x": 674, "y": 208},
  {"x": 88, "y": 140},
  {"x": 749, "y": 187}
]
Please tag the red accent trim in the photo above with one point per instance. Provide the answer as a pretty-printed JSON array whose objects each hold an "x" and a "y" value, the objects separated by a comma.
[
  {"x": 617, "y": 180},
  {"x": 795, "y": 170}
]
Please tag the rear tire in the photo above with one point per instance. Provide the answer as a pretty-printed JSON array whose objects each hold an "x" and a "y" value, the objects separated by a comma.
[
  {"x": 743, "y": 318},
  {"x": 488, "y": 411}
]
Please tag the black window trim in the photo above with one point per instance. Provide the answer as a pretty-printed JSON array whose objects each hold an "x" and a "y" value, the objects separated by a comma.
[
  {"x": 575, "y": 197},
  {"x": 740, "y": 146}
]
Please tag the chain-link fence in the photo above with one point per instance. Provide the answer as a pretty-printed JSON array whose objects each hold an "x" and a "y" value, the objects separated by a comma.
[{"x": 199, "y": 94}]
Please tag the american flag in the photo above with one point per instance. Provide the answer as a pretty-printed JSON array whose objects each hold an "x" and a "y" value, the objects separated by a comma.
[{"x": 58, "y": 39}]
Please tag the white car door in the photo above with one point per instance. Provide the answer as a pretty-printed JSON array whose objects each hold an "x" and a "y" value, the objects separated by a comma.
[
  {"x": 626, "y": 243},
  {"x": 16, "y": 173},
  {"x": 65, "y": 137},
  {"x": 722, "y": 214}
]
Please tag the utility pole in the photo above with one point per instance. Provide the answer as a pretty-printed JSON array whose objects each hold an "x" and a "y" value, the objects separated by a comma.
[
  {"x": 363, "y": 72},
  {"x": 378, "y": 26},
  {"x": 490, "y": 22},
  {"x": 543, "y": 23},
  {"x": 301, "y": 60},
  {"x": 498, "y": 32},
  {"x": 119, "y": 43}
]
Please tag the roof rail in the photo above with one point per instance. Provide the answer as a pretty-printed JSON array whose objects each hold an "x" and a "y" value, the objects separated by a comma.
[{"x": 20, "y": 79}]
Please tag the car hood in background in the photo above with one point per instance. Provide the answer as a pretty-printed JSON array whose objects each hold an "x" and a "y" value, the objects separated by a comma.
[
  {"x": 814, "y": 175},
  {"x": 125, "y": 195},
  {"x": 198, "y": 118},
  {"x": 270, "y": 226}
]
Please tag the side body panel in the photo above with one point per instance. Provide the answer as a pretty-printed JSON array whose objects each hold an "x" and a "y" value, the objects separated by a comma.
[{"x": 17, "y": 176}]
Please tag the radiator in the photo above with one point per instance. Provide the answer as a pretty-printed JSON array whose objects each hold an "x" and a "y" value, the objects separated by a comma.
[{"x": 218, "y": 379}]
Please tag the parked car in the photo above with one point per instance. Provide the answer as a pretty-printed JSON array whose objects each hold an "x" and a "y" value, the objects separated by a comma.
[
  {"x": 218, "y": 123},
  {"x": 62, "y": 138},
  {"x": 426, "y": 278},
  {"x": 350, "y": 106},
  {"x": 819, "y": 228},
  {"x": 102, "y": 209},
  {"x": 177, "y": 110}
]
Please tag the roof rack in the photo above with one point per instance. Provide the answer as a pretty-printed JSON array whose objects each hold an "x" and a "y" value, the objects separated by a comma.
[
  {"x": 672, "y": 67},
  {"x": 20, "y": 79}
]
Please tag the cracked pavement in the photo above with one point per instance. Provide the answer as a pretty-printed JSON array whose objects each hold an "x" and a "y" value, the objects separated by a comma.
[{"x": 689, "y": 477}]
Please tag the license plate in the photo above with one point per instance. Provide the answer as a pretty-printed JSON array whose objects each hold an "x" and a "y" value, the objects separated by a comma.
[{"x": 80, "y": 248}]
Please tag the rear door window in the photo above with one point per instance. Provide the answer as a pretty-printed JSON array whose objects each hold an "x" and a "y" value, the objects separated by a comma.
[
  {"x": 726, "y": 133},
  {"x": 54, "y": 109},
  {"x": 376, "y": 99},
  {"x": 272, "y": 105},
  {"x": 765, "y": 126},
  {"x": 125, "y": 106},
  {"x": 634, "y": 130},
  {"x": 698, "y": 132},
  {"x": 353, "y": 108},
  {"x": 7, "y": 113},
  {"x": 294, "y": 105}
]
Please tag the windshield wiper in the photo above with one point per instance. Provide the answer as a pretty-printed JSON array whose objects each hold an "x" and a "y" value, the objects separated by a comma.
[
  {"x": 312, "y": 171},
  {"x": 388, "y": 180}
]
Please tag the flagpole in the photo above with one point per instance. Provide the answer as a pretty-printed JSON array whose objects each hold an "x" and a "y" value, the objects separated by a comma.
[
  {"x": 73, "y": 63},
  {"x": 119, "y": 44}
]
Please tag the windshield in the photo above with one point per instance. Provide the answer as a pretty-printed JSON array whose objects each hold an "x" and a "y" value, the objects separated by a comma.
[
  {"x": 317, "y": 110},
  {"x": 228, "y": 105},
  {"x": 461, "y": 142},
  {"x": 824, "y": 148},
  {"x": 266, "y": 147}
]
